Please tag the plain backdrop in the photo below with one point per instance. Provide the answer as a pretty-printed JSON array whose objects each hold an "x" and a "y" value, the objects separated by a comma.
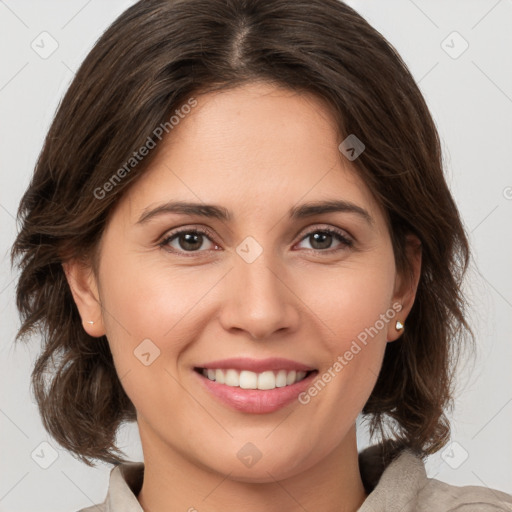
[{"x": 459, "y": 53}]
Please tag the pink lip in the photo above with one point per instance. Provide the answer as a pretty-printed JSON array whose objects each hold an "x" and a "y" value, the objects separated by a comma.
[
  {"x": 256, "y": 401},
  {"x": 257, "y": 365}
]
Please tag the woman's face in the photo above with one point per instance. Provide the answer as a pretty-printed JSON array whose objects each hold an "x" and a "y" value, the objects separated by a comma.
[{"x": 266, "y": 281}]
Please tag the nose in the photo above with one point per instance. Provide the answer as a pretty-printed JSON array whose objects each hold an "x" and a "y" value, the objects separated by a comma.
[{"x": 259, "y": 300}]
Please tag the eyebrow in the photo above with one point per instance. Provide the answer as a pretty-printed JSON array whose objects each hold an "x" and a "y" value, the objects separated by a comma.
[{"x": 221, "y": 213}]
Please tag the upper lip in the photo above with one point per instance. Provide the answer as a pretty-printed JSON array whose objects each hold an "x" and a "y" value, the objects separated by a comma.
[{"x": 257, "y": 365}]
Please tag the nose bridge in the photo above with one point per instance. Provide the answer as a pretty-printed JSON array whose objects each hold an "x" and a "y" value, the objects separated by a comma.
[{"x": 259, "y": 301}]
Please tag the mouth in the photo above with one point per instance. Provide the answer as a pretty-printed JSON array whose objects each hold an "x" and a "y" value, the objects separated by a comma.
[
  {"x": 254, "y": 392},
  {"x": 246, "y": 379}
]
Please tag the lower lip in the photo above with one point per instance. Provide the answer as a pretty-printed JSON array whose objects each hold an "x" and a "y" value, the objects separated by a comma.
[{"x": 256, "y": 401}]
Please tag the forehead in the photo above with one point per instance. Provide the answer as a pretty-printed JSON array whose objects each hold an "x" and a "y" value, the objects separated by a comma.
[{"x": 253, "y": 149}]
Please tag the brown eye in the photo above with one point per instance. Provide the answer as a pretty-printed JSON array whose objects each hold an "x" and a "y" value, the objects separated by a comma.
[
  {"x": 190, "y": 241},
  {"x": 187, "y": 240},
  {"x": 322, "y": 240}
]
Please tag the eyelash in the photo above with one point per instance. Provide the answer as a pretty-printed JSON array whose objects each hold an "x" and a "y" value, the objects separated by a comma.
[{"x": 339, "y": 235}]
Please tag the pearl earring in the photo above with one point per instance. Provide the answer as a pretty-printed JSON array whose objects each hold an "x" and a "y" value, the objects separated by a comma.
[
  {"x": 399, "y": 325},
  {"x": 90, "y": 322}
]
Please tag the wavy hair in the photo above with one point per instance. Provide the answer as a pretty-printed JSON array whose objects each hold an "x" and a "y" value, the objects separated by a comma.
[{"x": 154, "y": 57}]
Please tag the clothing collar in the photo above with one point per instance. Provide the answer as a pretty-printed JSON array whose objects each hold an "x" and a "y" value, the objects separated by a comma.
[
  {"x": 125, "y": 484},
  {"x": 392, "y": 486}
]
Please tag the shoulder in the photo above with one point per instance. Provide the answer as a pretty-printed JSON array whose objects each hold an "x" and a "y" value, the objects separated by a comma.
[
  {"x": 449, "y": 498},
  {"x": 124, "y": 484},
  {"x": 402, "y": 484}
]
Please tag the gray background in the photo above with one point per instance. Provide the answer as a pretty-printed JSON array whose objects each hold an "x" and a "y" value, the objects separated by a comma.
[{"x": 470, "y": 95}]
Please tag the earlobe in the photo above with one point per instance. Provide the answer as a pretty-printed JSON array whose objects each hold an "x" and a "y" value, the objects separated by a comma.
[
  {"x": 82, "y": 282},
  {"x": 396, "y": 328},
  {"x": 406, "y": 286}
]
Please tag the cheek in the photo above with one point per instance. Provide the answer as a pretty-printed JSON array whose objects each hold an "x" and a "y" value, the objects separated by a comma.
[
  {"x": 144, "y": 299},
  {"x": 149, "y": 318},
  {"x": 353, "y": 307},
  {"x": 351, "y": 300},
  {"x": 152, "y": 315}
]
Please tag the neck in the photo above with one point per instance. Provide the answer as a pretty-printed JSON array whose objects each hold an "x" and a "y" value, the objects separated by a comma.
[{"x": 174, "y": 483}]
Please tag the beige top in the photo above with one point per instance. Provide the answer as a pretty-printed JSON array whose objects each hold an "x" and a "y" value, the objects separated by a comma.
[{"x": 402, "y": 486}]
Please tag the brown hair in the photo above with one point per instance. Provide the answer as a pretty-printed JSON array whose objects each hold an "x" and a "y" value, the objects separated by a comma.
[{"x": 154, "y": 57}]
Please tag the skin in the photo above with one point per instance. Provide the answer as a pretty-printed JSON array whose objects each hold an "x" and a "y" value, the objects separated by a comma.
[{"x": 258, "y": 151}]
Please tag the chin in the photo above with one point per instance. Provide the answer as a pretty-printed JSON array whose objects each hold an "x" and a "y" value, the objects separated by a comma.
[{"x": 267, "y": 469}]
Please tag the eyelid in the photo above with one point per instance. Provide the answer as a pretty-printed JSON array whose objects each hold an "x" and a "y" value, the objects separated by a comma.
[
  {"x": 325, "y": 227},
  {"x": 165, "y": 239},
  {"x": 187, "y": 228},
  {"x": 347, "y": 238}
]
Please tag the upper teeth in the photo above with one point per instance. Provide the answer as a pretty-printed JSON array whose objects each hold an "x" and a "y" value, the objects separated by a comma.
[{"x": 250, "y": 380}]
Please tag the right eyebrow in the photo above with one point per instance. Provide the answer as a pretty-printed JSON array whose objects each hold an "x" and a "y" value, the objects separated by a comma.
[{"x": 185, "y": 208}]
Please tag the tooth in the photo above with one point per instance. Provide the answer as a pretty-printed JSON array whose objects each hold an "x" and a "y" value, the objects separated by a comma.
[
  {"x": 300, "y": 376},
  {"x": 248, "y": 380},
  {"x": 290, "y": 378},
  {"x": 266, "y": 380},
  {"x": 251, "y": 380},
  {"x": 281, "y": 379},
  {"x": 231, "y": 378}
]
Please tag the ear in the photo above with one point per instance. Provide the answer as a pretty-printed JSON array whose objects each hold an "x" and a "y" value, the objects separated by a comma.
[
  {"x": 406, "y": 285},
  {"x": 83, "y": 285}
]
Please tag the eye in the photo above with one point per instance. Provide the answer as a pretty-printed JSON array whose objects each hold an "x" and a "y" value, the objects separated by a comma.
[
  {"x": 193, "y": 240},
  {"x": 188, "y": 240},
  {"x": 322, "y": 239}
]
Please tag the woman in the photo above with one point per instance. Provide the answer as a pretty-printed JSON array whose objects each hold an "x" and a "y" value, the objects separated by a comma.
[{"x": 239, "y": 235}]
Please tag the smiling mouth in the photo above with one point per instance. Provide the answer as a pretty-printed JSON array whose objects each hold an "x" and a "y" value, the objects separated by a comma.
[{"x": 246, "y": 379}]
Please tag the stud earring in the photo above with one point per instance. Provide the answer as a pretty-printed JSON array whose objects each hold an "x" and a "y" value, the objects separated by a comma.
[
  {"x": 90, "y": 322},
  {"x": 399, "y": 325}
]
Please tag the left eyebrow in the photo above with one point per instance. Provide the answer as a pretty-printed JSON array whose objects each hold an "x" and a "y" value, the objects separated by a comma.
[
  {"x": 221, "y": 213},
  {"x": 319, "y": 207}
]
